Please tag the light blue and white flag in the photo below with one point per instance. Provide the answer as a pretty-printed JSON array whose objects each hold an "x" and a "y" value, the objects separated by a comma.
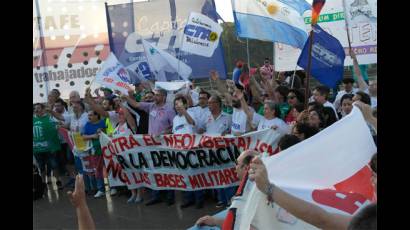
[
  {"x": 160, "y": 62},
  {"x": 271, "y": 20}
]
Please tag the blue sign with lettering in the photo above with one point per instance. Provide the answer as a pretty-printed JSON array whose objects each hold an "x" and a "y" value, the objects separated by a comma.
[{"x": 160, "y": 22}]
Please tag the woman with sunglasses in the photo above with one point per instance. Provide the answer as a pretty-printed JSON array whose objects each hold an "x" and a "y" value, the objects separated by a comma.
[{"x": 295, "y": 100}]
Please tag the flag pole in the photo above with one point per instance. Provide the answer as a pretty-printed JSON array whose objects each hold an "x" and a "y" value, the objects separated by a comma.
[
  {"x": 308, "y": 68},
  {"x": 347, "y": 25},
  {"x": 293, "y": 76}
]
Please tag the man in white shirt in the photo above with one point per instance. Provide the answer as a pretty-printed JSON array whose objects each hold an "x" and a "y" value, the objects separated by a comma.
[
  {"x": 239, "y": 117},
  {"x": 183, "y": 121},
  {"x": 348, "y": 89},
  {"x": 201, "y": 112},
  {"x": 218, "y": 123},
  {"x": 320, "y": 95}
]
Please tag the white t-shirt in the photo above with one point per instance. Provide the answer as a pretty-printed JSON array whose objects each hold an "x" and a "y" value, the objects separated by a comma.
[
  {"x": 194, "y": 96},
  {"x": 77, "y": 125},
  {"x": 373, "y": 102},
  {"x": 122, "y": 130},
  {"x": 200, "y": 116},
  {"x": 238, "y": 121},
  {"x": 282, "y": 127},
  {"x": 180, "y": 124},
  {"x": 328, "y": 104},
  {"x": 219, "y": 125}
]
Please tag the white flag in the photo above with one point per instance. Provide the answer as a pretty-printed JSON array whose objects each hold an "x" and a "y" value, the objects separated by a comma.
[
  {"x": 113, "y": 75},
  {"x": 201, "y": 35},
  {"x": 323, "y": 170},
  {"x": 161, "y": 61}
]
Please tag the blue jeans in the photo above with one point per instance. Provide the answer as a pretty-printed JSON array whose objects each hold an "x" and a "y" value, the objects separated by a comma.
[
  {"x": 191, "y": 196},
  {"x": 225, "y": 194},
  {"x": 46, "y": 158},
  {"x": 92, "y": 183}
]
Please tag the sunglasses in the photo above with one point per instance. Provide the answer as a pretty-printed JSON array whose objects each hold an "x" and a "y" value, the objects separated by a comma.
[{"x": 291, "y": 97}]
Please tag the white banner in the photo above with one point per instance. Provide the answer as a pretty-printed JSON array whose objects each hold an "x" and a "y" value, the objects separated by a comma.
[
  {"x": 180, "y": 161},
  {"x": 201, "y": 35},
  {"x": 362, "y": 31},
  {"x": 113, "y": 75},
  {"x": 329, "y": 169}
]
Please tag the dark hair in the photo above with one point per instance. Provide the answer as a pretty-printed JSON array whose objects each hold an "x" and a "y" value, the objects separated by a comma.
[
  {"x": 329, "y": 116},
  {"x": 287, "y": 141},
  {"x": 218, "y": 100},
  {"x": 247, "y": 160},
  {"x": 346, "y": 96},
  {"x": 61, "y": 101},
  {"x": 299, "y": 95},
  {"x": 316, "y": 105},
  {"x": 364, "y": 97},
  {"x": 57, "y": 91},
  {"x": 321, "y": 114},
  {"x": 40, "y": 104},
  {"x": 182, "y": 98},
  {"x": 267, "y": 59},
  {"x": 163, "y": 92},
  {"x": 111, "y": 102},
  {"x": 299, "y": 107},
  {"x": 282, "y": 90},
  {"x": 306, "y": 129},
  {"x": 95, "y": 113},
  {"x": 208, "y": 95},
  {"x": 365, "y": 218},
  {"x": 348, "y": 80},
  {"x": 373, "y": 163},
  {"x": 323, "y": 90}
]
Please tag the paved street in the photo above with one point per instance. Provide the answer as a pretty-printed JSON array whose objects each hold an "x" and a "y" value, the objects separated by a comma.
[{"x": 55, "y": 211}]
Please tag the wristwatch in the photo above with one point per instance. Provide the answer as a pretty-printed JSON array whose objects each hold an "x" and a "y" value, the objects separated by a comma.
[{"x": 269, "y": 192}]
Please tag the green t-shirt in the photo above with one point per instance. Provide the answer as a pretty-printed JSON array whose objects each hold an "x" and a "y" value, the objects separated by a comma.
[
  {"x": 284, "y": 110},
  {"x": 261, "y": 110},
  {"x": 227, "y": 109},
  {"x": 138, "y": 96},
  {"x": 45, "y": 135}
]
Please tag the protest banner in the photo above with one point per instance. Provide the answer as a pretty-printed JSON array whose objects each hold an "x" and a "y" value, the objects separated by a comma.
[
  {"x": 329, "y": 169},
  {"x": 113, "y": 75},
  {"x": 201, "y": 35},
  {"x": 362, "y": 32},
  {"x": 69, "y": 46},
  {"x": 67, "y": 137},
  {"x": 180, "y": 161}
]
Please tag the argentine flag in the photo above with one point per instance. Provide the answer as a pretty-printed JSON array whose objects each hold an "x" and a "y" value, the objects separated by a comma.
[{"x": 271, "y": 20}]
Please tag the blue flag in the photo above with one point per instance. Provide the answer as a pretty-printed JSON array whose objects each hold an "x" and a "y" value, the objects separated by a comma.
[
  {"x": 161, "y": 24},
  {"x": 328, "y": 57}
]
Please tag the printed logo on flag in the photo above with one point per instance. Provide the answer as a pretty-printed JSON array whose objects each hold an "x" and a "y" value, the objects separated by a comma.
[
  {"x": 325, "y": 56},
  {"x": 122, "y": 73},
  {"x": 201, "y": 35}
]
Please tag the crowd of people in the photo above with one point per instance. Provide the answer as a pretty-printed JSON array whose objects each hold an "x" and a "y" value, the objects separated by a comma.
[{"x": 259, "y": 98}]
